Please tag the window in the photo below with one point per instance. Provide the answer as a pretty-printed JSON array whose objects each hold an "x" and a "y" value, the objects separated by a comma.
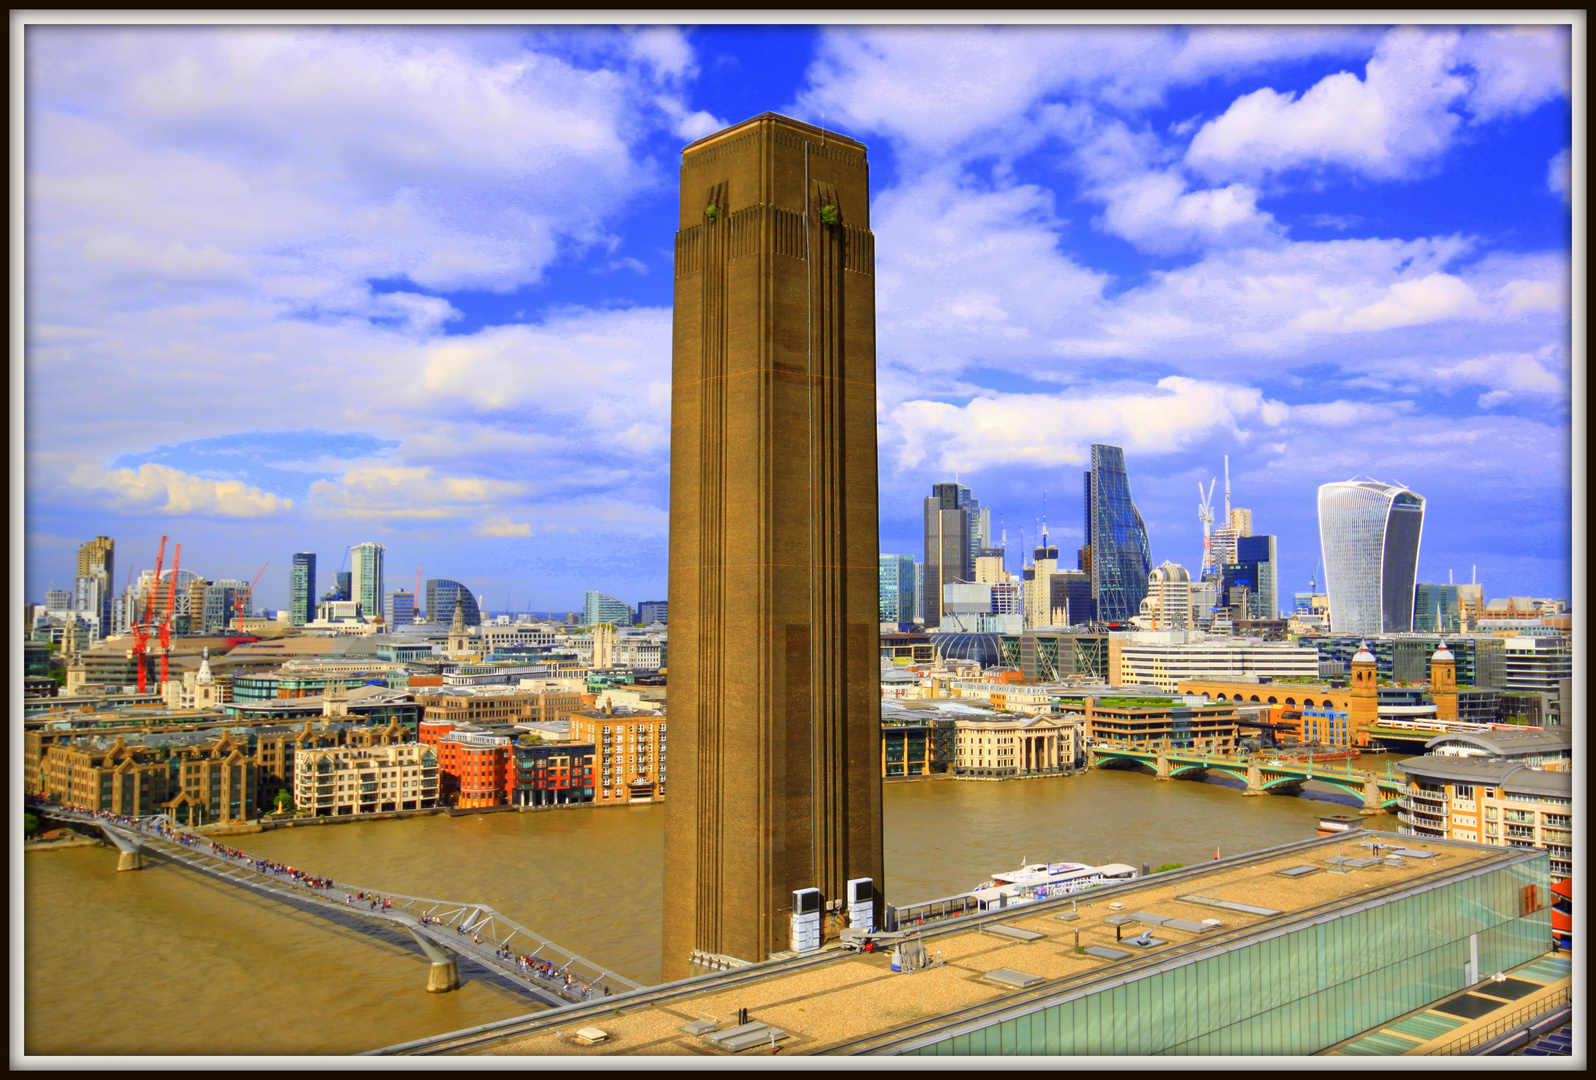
[{"x": 1463, "y": 791}]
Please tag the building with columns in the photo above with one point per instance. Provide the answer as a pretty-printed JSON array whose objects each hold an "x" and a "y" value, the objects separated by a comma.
[{"x": 1001, "y": 747}]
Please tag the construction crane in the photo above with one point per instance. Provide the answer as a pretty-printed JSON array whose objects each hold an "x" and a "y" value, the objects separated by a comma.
[
  {"x": 166, "y": 623},
  {"x": 1205, "y": 514},
  {"x": 141, "y": 627},
  {"x": 243, "y": 598},
  {"x": 415, "y": 601}
]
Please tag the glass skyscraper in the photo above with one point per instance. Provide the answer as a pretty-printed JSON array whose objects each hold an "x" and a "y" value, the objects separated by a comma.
[
  {"x": 1369, "y": 536},
  {"x": 1256, "y": 570},
  {"x": 599, "y": 608},
  {"x": 443, "y": 594},
  {"x": 897, "y": 588},
  {"x": 367, "y": 582},
  {"x": 302, "y": 589},
  {"x": 951, "y": 518},
  {"x": 1436, "y": 608},
  {"x": 1117, "y": 551}
]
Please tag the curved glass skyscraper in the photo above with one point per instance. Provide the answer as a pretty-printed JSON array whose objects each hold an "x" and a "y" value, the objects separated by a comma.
[
  {"x": 443, "y": 594},
  {"x": 1369, "y": 536},
  {"x": 1117, "y": 552}
]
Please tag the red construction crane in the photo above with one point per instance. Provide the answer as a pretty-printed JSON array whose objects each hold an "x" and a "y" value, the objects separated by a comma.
[
  {"x": 240, "y": 600},
  {"x": 166, "y": 623},
  {"x": 141, "y": 627}
]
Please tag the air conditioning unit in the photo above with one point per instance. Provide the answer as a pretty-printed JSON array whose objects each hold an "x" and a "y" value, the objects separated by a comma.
[
  {"x": 861, "y": 903},
  {"x": 804, "y": 935}
]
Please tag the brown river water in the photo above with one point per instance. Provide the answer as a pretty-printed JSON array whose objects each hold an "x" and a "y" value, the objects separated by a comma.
[{"x": 166, "y": 961}]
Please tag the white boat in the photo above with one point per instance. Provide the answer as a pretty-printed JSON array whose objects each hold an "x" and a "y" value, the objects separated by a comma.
[{"x": 1040, "y": 881}]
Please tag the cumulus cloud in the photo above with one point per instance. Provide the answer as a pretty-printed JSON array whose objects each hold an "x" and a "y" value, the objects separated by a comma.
[
  {"x": 1058, "y": 429},
  {"x": 1559, "y": 175},
  {"x": 378, "y": 493},
  {"x": 157, "y": 489},
  {"x": 1400, "y": 116}
]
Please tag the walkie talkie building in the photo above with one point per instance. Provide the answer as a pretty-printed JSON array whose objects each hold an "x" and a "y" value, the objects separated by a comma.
[
  {"x": 1117, "y": 549},
  {"x": 1369, "y": 536}
]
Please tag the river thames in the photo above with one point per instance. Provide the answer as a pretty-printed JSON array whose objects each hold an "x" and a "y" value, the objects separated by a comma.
[{"x": 164, "y": 961}]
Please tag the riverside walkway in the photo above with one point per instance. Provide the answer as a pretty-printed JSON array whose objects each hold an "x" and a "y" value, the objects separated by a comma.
[
  {"x": 444, "y": 929},
  {"x": 1260, "y": 772}
]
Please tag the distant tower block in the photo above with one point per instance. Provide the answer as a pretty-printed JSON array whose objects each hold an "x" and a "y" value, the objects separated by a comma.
[{"x": 775, "y": 705}]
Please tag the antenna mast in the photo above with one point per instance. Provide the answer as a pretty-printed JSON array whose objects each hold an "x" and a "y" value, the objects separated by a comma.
[{"x": 1227, "y": 490}]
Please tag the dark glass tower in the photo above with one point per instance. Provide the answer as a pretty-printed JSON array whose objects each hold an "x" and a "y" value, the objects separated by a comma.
[
  {"x": 302, "y": 588},
  {"x": 948, "y": 555},
  {"x": 1117, "y": 550},
  {"x": 443, "y": 595}
]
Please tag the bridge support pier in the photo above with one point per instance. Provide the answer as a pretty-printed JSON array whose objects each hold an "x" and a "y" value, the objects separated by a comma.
[
  {"x": 130, "y": 855},
  {"x": 1371, "y": 797},
  {"x": 444, "y": 974},
  {"x": 1254, "y": 780},
  {"x": 1163, "y": 765}
]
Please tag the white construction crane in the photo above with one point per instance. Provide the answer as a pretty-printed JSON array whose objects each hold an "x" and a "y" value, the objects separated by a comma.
[{"x": 1205, "y": 514}]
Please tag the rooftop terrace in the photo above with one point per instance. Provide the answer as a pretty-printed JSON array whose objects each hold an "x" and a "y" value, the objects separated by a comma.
[{"x": 846, "y": 1002}]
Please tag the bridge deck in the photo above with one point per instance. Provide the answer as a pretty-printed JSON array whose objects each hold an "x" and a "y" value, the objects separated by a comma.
[{"x": 485, "y": 938}]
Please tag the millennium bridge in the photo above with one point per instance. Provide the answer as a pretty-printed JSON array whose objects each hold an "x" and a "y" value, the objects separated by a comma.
[
  {"x": 1261, "y": 773},
  {"x": 445, "y": 930}
]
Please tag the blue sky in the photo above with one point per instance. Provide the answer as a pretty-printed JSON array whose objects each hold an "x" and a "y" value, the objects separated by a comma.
[{"x": 300, "y": 288}]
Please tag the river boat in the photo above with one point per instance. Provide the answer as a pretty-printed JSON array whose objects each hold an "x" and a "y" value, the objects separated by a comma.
[{"x": 1040, "y": 881}]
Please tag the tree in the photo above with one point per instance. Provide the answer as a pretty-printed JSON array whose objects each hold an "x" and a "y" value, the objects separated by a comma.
[
  {"x": 285, "y": 802},
  {"x": 30, "y": 825}
]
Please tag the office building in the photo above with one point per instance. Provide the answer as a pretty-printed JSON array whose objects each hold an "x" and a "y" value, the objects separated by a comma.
[
  {"x": 599, "y": 608},
  {"x": 442, "y": 597},
  {"x": 342, "y": 587},
  {"x": 367, "y": 584},
  {"x": 1118, "y": 557},
  {"x": 302, "y": 588},
  {"x": 919, "y": 592},
  {"x": 1070, "y": 598},
  {"x": 1437, "y": 609},
  {"x": 1369, "y": 536},
  {"x": 774, "y": 689},
  {"x": 97, "y": 560},
  {"x": 1167, "y": 605},
  {"x": 1037, "y": 584},
  {"x": 1260, "y": 554},
  {"x": 1536, "y": 665},
  {"x": 949, "y": 551},
  {"x": 221, "y": 601},
  {"x": 399, "y": 608},
  {"x": 897, "y": 588},
  {"x": 1166, "y": 664},
  {"x": 650, "y": 612}
]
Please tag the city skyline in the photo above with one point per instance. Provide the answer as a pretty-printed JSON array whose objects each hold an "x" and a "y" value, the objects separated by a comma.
[{"x": 1159, "y": 239}]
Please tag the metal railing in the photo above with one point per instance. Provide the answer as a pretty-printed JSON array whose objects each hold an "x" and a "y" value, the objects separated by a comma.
[
  {"x": 1497, "y": 1028},
  {"x": 471, "y": 929}
]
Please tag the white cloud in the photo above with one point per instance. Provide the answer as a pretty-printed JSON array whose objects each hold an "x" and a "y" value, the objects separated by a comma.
[
  {"x": 1559, "y": 178},
  {"x": 1516, "y": 68},
  {"x": 501, "y": 526},
  {"x": 1058, "y": 429},
  {"x": 936, "y": 88},
  {"x": 1156, "y": 213},
  {"x": 1542, "y": 374},
  {"x": 379, "y": 493},
  {"x": 1380, "y": 125},
  {"x": 1396, "y": 119},
  {"x": 157, "y": 489}
]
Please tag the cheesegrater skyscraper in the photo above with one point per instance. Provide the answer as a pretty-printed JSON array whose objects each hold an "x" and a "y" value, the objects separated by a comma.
[{"x": 774, "y": 716}]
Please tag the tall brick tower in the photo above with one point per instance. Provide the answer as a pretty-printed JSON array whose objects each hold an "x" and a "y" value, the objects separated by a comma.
[
  {"x": 1443, "y": 684},
  {"x": 774, "y": 701},
  {"x": 1363, "y": 697}
]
